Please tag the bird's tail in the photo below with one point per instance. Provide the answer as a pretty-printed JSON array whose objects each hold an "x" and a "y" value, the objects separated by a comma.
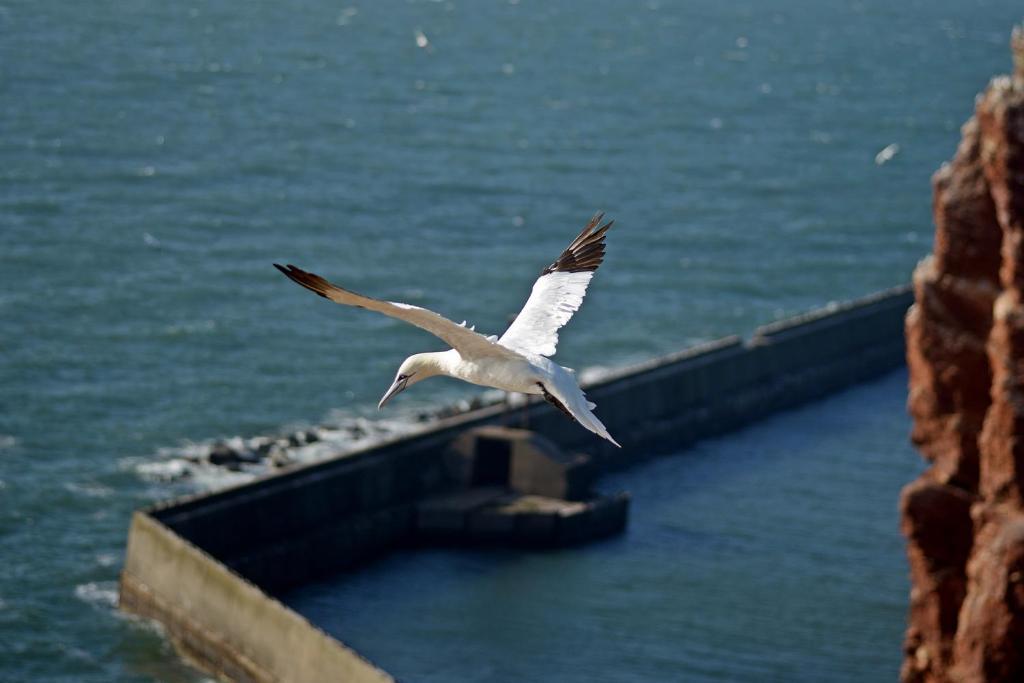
[
  {"x": 572, "y": 397},
  {"x": 594, "y": 425}
]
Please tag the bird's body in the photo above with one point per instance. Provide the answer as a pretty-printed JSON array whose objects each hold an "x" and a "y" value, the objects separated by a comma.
[
  {"x": 518, "y": 361},
  {"x": 498, "y": 373}
]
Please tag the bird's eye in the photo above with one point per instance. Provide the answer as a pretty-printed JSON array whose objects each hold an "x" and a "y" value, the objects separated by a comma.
[{"x": 401, "y": 377}]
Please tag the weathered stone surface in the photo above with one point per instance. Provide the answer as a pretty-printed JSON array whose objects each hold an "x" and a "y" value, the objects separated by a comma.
[
  {"x": 964, "y": 518},
  {"x": 990, "y": 641},
  {"x": 937, "y": 524},
  {"x": 949, "y": 324},
  {"x": 967, "y": 236},
  {"x": 1002, "y": 468}
]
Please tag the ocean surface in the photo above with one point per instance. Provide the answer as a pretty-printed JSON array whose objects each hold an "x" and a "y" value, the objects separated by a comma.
[{"x": 156, "y": 158}]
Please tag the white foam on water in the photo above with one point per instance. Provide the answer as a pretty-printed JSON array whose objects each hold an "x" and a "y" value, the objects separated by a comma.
[
  {"x": 159, "y": 470},
  {"x": 106, "y": 559},
  {"x": 101, "y": 594},
  {"x": 89, "y": 489},
  {"x": 218, "y": 463},
  {"x": 76, "y": 653},
  {"x": 200, "y": 475},
  {"x": 210, "y": 477}
]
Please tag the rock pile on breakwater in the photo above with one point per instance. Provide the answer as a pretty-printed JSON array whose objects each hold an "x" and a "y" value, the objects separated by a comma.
[
  {"x": 964, "y": 517},
  {"x": 225, "y": 461},
  {"x": 234, "y": 454}
]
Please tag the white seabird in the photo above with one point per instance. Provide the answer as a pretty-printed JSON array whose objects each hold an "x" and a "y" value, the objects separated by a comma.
[{"x": 519, "y": 360}]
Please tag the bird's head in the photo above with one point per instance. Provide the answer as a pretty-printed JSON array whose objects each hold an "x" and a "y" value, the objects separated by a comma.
[{"x": 414, "y": 369}]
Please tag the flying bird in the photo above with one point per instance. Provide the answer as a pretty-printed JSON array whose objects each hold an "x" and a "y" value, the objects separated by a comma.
[{"x": 519, "y": 360}]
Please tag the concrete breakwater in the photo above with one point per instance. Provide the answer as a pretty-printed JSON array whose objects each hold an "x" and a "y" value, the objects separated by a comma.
[{"x": 207, "y": 565}]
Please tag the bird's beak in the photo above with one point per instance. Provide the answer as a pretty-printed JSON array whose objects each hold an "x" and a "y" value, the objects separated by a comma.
[{"x": 396, "y": 388}]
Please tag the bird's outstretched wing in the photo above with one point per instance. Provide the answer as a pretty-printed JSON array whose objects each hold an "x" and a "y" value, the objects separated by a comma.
[
  {"x": 469, "y": 343},
  {"x": 557, "y": 293}
]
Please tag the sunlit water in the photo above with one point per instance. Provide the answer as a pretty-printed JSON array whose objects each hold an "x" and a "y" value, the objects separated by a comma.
[{"x": 155, "y": 158}]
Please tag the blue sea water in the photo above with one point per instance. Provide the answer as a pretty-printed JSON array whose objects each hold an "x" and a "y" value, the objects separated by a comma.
[{"x": 155, "y": 158}]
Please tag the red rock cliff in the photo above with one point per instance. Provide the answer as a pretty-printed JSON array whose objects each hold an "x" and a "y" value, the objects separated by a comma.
[{"x": 964, "y": 517}]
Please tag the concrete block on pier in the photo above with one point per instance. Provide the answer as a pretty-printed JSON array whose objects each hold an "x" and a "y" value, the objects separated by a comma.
[
  {"x": 520, "y": 460},
  {"x": 518, "y": 488},
  {"x": 491, "y": 516}
]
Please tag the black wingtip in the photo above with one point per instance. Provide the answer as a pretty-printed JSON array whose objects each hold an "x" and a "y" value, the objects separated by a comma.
[
  {"x": 291, "y": 271},
  {"x": 310, "y": 281},
  {"x": 586, "y": 252}
]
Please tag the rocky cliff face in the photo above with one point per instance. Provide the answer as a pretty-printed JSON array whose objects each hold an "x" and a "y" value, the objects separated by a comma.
[{"x": 964, "y": 517}]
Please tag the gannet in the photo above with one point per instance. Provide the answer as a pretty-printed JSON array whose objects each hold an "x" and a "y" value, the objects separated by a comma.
[{"x": 519, "y": 360}]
